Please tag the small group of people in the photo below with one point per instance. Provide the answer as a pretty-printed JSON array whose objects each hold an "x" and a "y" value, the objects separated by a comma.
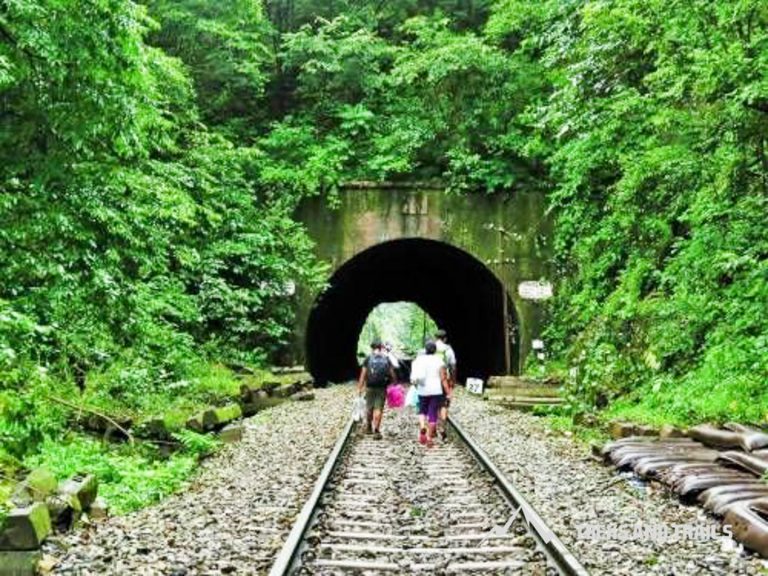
[{"x": 433, "y": 373}]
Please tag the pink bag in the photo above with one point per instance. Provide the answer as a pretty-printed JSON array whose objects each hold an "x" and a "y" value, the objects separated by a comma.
[{"x": 395, "y": 395}]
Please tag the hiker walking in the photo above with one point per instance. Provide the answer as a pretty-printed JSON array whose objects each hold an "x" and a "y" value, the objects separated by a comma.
[
  {"x": 376, "y": 373},
  {"x": 393, "y": 359},
  {"x": 430, "y": 376},
  {"x": 445, "y": 350}
]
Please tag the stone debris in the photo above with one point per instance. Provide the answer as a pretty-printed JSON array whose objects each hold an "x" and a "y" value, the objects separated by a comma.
[
  {"x": 214, "y": 418},
  {"x": 99, "y": 510},
  {"x": 303, "y": 396},
  {"x": 84, "y": 488},
  {"x": 36, "y": 487}
]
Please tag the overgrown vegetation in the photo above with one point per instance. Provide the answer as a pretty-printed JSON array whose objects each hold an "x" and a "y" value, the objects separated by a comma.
[
  {"x": 153, "y": 153},
  {"x": 404, "y": 325}
]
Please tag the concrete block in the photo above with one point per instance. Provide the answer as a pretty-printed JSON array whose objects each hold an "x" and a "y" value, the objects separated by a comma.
[
  {"x": 19, "y": 562},
  {"x": 84, "y": 488},
  {"x": 231, "y": 433},
  {"x": 25, "y": 528}
]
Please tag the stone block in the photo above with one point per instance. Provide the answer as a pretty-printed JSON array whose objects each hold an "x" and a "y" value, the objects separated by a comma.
[
  {"x": 25, "y": 528},
  {"x": 621, "y": 429},
  {"x": 231, "y": 433},
  {"x": 284, "y": 391},
  {"x": 214, "y": 418},
  {"x": 19, "y": 562},
  {"x": 42, "y": 482},
  {"x": 247, "y": 393},
  {"x": 586, "y": 419},
  {"x": 260, "y": 404},
  {"x": 268, "y": 387},
  {"x": 156, "y": 429},
  {"x": 83, "y": 487},
  {"x": 99, "y": 510},
  {"x": 303, "y": 396},
  {"x": 36, "y": 487},
  {"x": 645, "y": 430},
  {"x": 65, "y": 511},
  {"x": 217, "y": 417},
  {"x": 195, "y": 423},
  {"x": 669, "y": 431}
]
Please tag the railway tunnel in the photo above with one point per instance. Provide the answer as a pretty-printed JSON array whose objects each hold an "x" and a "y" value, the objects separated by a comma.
[{"x": 457, "y": 290}]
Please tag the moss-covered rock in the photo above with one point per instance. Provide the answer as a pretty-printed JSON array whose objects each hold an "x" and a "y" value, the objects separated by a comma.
[
  {"x": 251, "y": 408},
  {"x": 214, "y": 418},
  {"x": 36, "y": 487},
  {"x": 84, "y": 487},
  {"x": 232, "y": 433},
  {"x": 25, "y": 528},
  {"x": 19, "y": 562}
]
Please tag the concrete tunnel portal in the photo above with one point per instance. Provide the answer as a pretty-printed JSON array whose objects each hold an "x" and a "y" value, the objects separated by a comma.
[{"x": 457, "y": 290}]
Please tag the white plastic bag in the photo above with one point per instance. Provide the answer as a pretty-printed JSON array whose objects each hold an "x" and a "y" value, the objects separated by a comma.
[
  {"x": 412, "y": 398},
  {"x": 358, "y": 409}
]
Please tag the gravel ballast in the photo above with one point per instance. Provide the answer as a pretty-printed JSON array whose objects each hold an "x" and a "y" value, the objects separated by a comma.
[
  {"x": 577, "y": 496},
  {"x": 236, "y": 514}
]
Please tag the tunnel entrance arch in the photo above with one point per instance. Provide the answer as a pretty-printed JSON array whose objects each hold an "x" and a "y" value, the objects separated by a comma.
[{"x": 458, "y": 291}]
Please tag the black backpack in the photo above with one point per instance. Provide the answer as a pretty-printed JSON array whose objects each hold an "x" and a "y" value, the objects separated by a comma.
[{"x": 378, "y": 370}]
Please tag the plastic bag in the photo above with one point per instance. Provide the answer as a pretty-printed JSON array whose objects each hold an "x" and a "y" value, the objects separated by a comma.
[
  {"x": 358, "y": 409},
  {"x": 412, "y": 398},
  {"x": 395, "y": 395}
]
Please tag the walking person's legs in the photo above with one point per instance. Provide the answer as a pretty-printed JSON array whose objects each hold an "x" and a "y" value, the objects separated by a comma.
[
  {"x": 433, "y": 414},
  {"x": 375, "y": 398},
  {"x": 423, "y": 410},
  {"x": 444, "y": 417}
]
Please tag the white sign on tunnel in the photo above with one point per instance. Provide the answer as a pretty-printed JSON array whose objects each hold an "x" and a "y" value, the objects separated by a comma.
[{"x": 535, "y": 290}]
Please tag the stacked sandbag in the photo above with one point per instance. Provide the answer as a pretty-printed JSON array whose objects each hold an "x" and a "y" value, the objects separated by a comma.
[{"x": 722, "y": 468}]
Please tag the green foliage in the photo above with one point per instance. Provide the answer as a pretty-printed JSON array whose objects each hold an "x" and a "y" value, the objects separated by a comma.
[
  {"x": 226, "y": 48},
  {"x": 128, "y": 479},
  {"x": 564, "y": 424},
  {"x": 660, "y": 167},
  {"x": 198, "y": 444},
  {"x": 138, "y": 244},
  {"x": 403, "y": 324}
]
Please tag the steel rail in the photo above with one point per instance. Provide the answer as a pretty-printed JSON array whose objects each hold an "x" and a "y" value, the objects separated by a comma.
[
  {"x": 292, "y": 548},
  {"x": 554, "y": 549}
]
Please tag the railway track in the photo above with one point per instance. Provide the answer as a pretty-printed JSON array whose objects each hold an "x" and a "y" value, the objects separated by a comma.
[{"x": 392, "y": 506}]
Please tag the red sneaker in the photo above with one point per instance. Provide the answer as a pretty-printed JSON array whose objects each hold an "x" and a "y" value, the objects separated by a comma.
[{"x": 422, "y": 436}]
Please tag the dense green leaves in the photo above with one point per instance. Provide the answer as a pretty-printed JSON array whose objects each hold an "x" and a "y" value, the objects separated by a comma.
[
  {"x": 660, "y": 167},
  {"x": 136, "y": 241}
]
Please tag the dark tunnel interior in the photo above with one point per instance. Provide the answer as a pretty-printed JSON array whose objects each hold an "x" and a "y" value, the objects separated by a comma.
[{"x": 453, "y": 287}]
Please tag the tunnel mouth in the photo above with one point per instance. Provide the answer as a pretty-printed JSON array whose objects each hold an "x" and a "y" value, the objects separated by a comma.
[
  {"x": 459, "y": 292},
  {"x": 402, "y": 326}
]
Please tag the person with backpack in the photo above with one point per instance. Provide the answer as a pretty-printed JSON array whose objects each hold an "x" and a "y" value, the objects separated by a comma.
[
  {"x": 445, "y": 351},
  {"x": 376, "y": 373},
  {"x": 429, "y": 374}
]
